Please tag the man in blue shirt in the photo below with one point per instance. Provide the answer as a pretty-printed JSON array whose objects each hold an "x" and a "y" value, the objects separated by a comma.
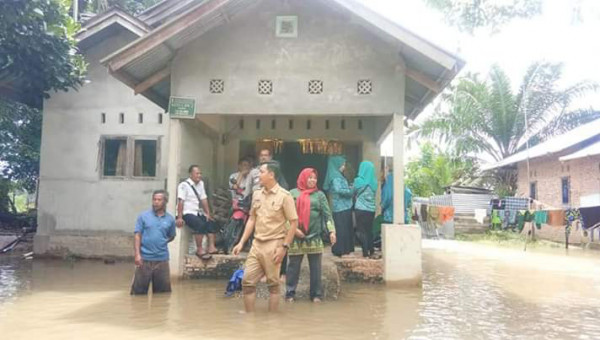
[{"x": 154, "y": 229}]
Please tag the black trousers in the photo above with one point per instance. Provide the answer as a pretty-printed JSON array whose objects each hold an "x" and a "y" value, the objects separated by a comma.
[
  {"x": 156, "y": 272},
  {"x": 293, "y": 275},
  {"x": 364, "y": 223},
  {"x": 344, "y": 230}
]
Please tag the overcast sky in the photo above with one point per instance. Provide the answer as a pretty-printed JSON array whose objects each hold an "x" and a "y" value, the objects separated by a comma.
[{"x": 558, "y": 35}]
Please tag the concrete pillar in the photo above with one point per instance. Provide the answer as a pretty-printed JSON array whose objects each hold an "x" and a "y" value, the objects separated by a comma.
[
  {"x": 401, "y": 243},
  {"x": 179, "y": 246},
  {"x": 401, "y": 254},
  {"x": 398, "y": 133}
]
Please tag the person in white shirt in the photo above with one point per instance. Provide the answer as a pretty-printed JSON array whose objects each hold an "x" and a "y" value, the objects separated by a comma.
[
  {"x": 237, "y": 180},
  {"x": 192, "y": 208}
]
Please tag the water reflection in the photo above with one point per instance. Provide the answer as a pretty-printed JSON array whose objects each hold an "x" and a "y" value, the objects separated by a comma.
[{"x": 469, "y": 292}]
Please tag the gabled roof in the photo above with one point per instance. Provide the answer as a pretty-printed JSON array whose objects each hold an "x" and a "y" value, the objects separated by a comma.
[
  {"x": 552, "y": 146},
  {"x": 114, "y": 17},
  {"x": 428, "y": 67}
]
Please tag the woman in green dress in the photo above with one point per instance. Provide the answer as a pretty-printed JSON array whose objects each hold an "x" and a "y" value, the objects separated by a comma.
[{"x": 313, "y": 217}]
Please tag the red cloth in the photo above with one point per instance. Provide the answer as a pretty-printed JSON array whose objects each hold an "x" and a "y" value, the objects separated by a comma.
[{"x": 303, "y": 201}]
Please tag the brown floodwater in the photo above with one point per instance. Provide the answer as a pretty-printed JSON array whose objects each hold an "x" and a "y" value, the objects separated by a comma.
[{"x": 469, "y": 292}]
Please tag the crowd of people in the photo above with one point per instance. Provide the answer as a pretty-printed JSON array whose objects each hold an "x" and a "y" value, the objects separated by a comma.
[{"x": 285, "y": 225}]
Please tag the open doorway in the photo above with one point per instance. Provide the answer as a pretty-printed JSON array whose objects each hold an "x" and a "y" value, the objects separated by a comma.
[{"x": 293, "y": 160}]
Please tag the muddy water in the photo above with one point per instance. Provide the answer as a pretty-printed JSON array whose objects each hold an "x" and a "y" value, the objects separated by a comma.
[{"x": 469, "y": 292}]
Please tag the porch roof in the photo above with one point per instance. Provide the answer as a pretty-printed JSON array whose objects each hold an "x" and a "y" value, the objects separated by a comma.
[{"x": 144, "y": 64}]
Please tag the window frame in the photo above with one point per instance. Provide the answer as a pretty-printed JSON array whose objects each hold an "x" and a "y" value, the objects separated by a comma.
[
  {"x": 130, "y": 157},
  {"x": 562, "y": 191},
  {"x": 533, "y": 185}
]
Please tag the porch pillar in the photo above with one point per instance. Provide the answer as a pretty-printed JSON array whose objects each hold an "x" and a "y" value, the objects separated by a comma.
[
  {"x": 179, "y": 246},
  {"x": 398, "y": 165},
  {"x": 401, "y": 244}
]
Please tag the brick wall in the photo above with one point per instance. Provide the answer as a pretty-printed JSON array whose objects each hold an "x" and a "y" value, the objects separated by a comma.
[{"x": 584, "y": 175}]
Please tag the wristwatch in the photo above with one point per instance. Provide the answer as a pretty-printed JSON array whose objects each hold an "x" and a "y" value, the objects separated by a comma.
[{"x": 286, "y": 246}]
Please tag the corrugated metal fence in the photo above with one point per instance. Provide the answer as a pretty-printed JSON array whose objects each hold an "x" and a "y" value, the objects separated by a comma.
[{"x": 462, "y": 203}]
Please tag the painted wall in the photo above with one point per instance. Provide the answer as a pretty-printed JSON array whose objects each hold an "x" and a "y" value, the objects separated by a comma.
[
  {"x": 79, "y": 211},
  {"x": 330, "y": 47}
]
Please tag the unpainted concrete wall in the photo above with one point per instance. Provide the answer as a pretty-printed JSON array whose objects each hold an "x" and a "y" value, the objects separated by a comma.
[
  {"x": 75, "y": 204},
  {"x": 330, "y": 46}
]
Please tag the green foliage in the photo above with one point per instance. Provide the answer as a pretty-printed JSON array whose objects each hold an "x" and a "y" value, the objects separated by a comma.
[
  {"x": 487, "y": 117},
  {"x": 434, "y": 170},
  {"x": 471, "y": 15},
  {"x": 37, "y": 49},
  {"x": 20, "y": 140}
]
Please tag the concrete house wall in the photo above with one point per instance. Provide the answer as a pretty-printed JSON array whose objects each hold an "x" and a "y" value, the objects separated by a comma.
[
  {"x": 78, "y": 210},
  {"x": 327, "y": 48}
]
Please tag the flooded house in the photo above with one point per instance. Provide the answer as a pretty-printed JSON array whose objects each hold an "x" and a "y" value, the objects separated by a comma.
[{"x": 207, "y": 82}]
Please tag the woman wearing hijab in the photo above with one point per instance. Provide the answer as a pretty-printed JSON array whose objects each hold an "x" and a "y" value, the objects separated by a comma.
[
  {"x": 313, "y": 216},
  {"x": 341, "y": 202},
  {"x": 387, "y": 200},
  {"x": 365, "y": 188}
]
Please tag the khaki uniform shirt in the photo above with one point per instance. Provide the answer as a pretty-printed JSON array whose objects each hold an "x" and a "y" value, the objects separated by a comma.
[{"x": 272, "y": 209}]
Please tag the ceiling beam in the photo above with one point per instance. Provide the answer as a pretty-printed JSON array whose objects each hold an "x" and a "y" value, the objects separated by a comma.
[
  {"x": 423, "y": 79},
  {"x": 152, "y": 80},
  {"x": 151, "y": 95}
]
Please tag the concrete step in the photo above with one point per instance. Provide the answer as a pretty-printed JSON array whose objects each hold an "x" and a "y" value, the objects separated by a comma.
[{"x": 334, "y": 271}]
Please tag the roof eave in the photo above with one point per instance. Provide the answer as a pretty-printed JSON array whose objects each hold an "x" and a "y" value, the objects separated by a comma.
[{"x": 108, "y": 18}]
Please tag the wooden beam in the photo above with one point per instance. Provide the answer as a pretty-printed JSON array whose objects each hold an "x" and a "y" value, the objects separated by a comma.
[
  {"x": 423, "y": 79},
  {"x": 151, "y": 95},
  {"x": 152, "y": 80},
  {"x": 157, "y": 37},
  {"x": 418, "y": 76}
]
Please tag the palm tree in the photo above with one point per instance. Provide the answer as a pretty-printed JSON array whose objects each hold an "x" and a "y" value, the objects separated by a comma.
[{"x": 486, "y": 118}]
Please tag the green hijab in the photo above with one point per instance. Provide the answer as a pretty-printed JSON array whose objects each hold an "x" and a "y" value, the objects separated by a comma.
[
  {"x": 333, "y": 171},
  {"x": 366, "y": 176}
]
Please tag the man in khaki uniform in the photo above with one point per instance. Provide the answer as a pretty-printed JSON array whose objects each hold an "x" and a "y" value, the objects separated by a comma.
[{"x": 272, "y": 208}]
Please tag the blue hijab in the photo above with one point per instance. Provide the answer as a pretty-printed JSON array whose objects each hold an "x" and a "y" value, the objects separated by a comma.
[
  {"x": 387, "y": 191},
  {"x": 333, "y": 171},
  {"x": 366, "y": 176}
]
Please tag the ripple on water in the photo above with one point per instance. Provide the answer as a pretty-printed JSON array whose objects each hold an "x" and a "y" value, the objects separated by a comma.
[{"x": 465, "y": 295}]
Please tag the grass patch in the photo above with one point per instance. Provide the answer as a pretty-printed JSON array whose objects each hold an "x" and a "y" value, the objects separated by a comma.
[{"x": 505, "y": 238}]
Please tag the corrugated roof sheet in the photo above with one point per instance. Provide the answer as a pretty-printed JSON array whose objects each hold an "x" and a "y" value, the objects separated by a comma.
[
  {"x": 554, "y": 145},
  {"x": 590, "y": 150}
]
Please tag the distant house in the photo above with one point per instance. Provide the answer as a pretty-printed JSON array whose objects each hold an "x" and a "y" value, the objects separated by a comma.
[{"x": 563, "y": 171}]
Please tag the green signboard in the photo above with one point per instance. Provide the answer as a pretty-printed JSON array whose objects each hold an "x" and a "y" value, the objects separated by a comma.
[{"x": 182, "y": 107}]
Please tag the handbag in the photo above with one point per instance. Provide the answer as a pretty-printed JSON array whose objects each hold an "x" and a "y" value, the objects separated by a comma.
[{"x": 354, "y": 199}]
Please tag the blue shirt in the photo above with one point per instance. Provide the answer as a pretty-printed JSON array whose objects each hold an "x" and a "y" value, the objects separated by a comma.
[
  {"x": 156, "y": 232},
  {"x": 365, "y": 199},
  {"x": 341, "y": 195}
]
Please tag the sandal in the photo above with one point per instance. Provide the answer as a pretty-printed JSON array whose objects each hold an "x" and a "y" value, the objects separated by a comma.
[
  {"x": 206, "y": 256},
  {"x": 290, "y": 299},
  {"x": 375, "y": 257}
]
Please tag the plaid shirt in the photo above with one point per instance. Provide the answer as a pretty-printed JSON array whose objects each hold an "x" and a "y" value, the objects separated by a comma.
[{"x": 516, "y": 203}]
